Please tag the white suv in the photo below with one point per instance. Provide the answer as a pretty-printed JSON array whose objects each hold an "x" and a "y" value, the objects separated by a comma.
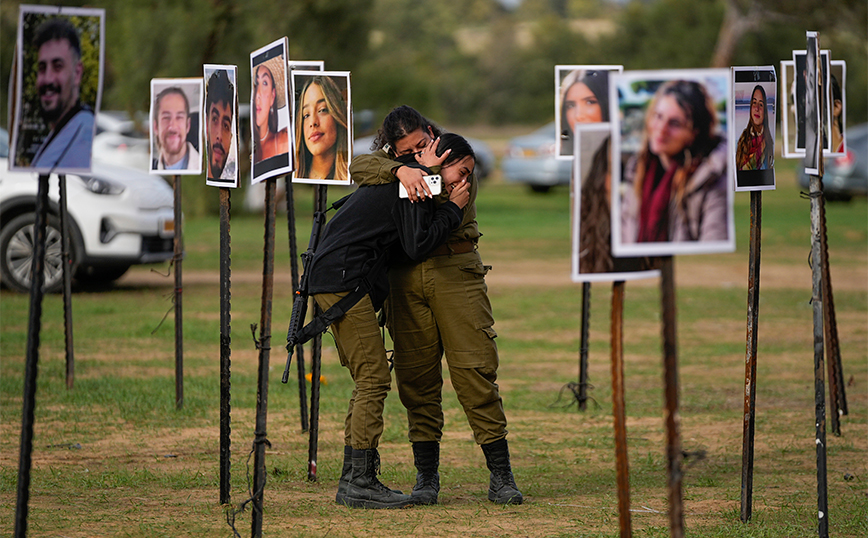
[{"x": 118, "y": 217}]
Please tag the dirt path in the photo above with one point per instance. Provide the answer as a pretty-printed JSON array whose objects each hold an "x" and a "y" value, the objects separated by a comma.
[{"x": 688, "y": 273}]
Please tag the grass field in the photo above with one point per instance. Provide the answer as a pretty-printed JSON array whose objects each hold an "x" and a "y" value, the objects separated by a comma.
[{"x": 114, "y": 457}]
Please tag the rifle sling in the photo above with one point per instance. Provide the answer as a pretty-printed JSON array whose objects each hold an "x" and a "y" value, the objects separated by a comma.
[{"x": 322, "y": 322}]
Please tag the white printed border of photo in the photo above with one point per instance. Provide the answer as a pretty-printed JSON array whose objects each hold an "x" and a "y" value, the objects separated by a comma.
[
  {"x": 278, "y": 164},
  {"x": 770, "y": 85},
  {"x": 306, "y": 65},
  {"x": 232, "y": 156},
  {"x": 16, "y": 115},
  {"x": 332, "y": 74},
  {"x": 788, "y": 73},
  {"x": 591, "y": 135},
  {"x": 840, "y": 65},
  {"x": 717, "y": 82},
  {"x": 813, "y": 163},
  {"x": 192, "y": 88},
  {"x": 561, "y": 72}
]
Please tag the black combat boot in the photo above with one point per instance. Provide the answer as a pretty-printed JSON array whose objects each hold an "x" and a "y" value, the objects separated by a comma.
[
  {"x": 501, "y": 488},
  {"x": 346, "y": 474},
  {"x": 365, "y": 490},
  {"x": 426, "y": 456}
]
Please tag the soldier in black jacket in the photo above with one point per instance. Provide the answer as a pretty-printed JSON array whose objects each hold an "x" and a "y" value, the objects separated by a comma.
[{"x": 351, "y": 254}]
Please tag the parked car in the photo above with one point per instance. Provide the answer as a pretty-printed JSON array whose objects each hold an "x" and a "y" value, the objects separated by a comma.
[
  {"x": 119, "y": 141},
  {"x": 846, "y": 176},
  {"x": 485, "y": 161},
  {"x": 531, "y": 159},
  {"x": 118, "y": 217}
]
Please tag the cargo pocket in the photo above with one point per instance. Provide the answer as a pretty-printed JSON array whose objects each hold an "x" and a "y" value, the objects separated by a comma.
[{"x": 476, "y": 291}]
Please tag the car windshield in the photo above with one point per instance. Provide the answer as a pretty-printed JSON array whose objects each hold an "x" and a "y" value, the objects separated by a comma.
[{"x": 4, "y": 144}]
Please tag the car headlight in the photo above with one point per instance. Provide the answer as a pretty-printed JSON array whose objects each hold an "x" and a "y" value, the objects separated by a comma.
[{"x": 102, "y": 186}]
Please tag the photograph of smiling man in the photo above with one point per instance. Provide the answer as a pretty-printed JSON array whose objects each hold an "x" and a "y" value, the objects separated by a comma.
[
  {"x": 323, "y": 126},
  {"x": 176, "y": 128},
  {"x": 59, "y": 55}
]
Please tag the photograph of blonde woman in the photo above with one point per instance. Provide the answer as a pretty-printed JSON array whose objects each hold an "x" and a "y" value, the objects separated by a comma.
[
  {"x": 270, "y": 110},
  {"x": 322, "y": 127},
  {"x": 583, "y": 97},
  {"x": 674, "y": 194}
]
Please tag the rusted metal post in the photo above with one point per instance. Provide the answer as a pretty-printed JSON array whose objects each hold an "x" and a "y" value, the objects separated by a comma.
[
  {"x": 319, "y": 202},
  {"x": 293, "y": 258},
  {"x": 674, "y": 455},
  {"x": 618, "y": 410},
  {"x": 225, "y": 345},
  {"x": 34, "y": 325},
  {"x": 583, "y": 346},
  {"x": 264, "y": 345},
  {"x": 816, "y": 192},
  {"x": 177, "y": 260},
  {"x": 67, "y": 261},
  {"x": 753, "y": 290},
  {"x": 837, "y": 395}
]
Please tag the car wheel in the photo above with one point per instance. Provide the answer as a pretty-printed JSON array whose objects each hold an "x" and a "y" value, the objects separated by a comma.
[
  {"x": 540, "y": 188},
  {"x": 16, "y": 253}
]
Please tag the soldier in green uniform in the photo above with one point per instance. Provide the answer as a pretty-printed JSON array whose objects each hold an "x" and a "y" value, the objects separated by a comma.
[{"x": 437, "y": 306}]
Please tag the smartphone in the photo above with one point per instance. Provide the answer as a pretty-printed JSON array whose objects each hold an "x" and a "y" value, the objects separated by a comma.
[{"x": 434, "y": 183}]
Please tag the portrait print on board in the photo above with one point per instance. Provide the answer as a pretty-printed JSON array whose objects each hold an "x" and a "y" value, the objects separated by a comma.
[
  {"x": 808, "y": 78},
  {"x": 672, "y": 180},
  {"x": 789, "y": 113},
  {"x": 57, "y": 88},
  {"x": 221, "y": 125},
  {"x": 270, "y": 111},
  {"x": 176, "y": 126},
  {"x": 753, "y": 127},
  {"x": 592, "y": 259},
  {"x": 323, "y": 126},
  {"x": 838, "y": 106},
  {"x": 581, "y": 96}
]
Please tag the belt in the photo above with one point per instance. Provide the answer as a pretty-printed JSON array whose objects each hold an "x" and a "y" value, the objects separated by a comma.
[{"x": 458, "y": 247}]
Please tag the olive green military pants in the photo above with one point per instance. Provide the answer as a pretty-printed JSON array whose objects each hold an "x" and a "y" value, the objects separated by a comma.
[
  {"x": 441, "y": 306},
  {"x": 361, "y": 350}
]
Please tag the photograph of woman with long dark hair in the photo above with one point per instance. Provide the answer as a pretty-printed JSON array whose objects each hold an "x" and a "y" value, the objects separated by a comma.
[
  {"x": 756, "y": 145},
  {"x": 675, "y": 187},
  {"x": 321, "y": 129},
  {"x": 583, "y": 98},
  {"x": 593, "y": 146}
]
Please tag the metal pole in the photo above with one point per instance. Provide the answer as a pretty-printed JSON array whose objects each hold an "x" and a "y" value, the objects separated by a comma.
[
  {"x": 225, "y": 345},
  {"x": 583, "y": 346},
  {"x": 37, "y": 280},
  {"x": 670, "y": 381},
  {"x": 618, "y": 410},
  {"x": 293, "y": 258},
  {"x": 837, "y": 395},
  {"x": 816, "y": 187},
  {"x": 179, "y": 319},
  {"x": 65, "y": 239},
  {"x": 753, "y": 286},
  {"x": 264, "y": 354},
  {"x": 319, "y": 201}
]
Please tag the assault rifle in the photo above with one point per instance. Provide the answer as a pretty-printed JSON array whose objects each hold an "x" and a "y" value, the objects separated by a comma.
[{"x": 299, "y": 304}]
